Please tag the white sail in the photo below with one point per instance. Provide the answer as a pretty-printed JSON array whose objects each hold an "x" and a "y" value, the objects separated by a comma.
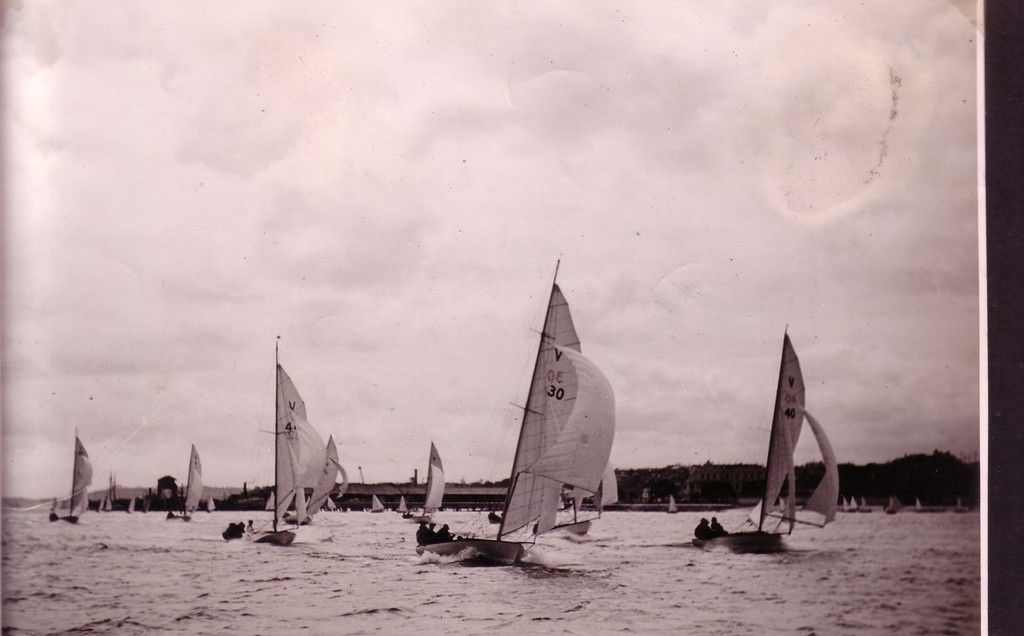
[
  {"x": 270, "y": 503},
  {"x": 608, "y": 492},
  {"x": 376, "y": 505},
  {"x": 343, "y": 487},
  {"x": 672, "y": 507},
  {"x": 822, "y": 503},
  {"x": 787, "y": 420},
  {"x": 210, "y": 505},
  {"x": 330, "y": 504},
  {"x": 327, "y": 479},
  {"x": 917, "y": 505},
  {"x": 105, "y": 504},
  {"x": 435, "y": 482},
  {"x": 194, "y": 487},
  {"x": 131, "y": 505},
  {"x": 580, "y": 453},
  {"x": 301, "y": 453},
  {"x": 548, "y": 404},
  {"x": 402, "y": 506}
]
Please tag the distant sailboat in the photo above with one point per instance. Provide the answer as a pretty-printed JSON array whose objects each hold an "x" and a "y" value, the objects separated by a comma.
[
  {"x": 960, "y": 507},
  {"x": 917, "y": 505},
  {"x": 893, "y": 506},
  {"x": 131, "y": 505},
  {"x": 81, "y": 477},
  {"x": 376, "y": 505},
  {"x": 299, "y": 457},
  {"x": 403, "y": 508},
  {"x": 435, "y": 488},
  {"x": 211, "y": 505},
  {"x": 672, "y": 507},
  {"x": 864, "y": 507},
  {"x": 565, "y": 438},
  {"x": 193, "y": 486},
  {"x": 107, "y": 504},
  {"x": 787, "y": 420}
]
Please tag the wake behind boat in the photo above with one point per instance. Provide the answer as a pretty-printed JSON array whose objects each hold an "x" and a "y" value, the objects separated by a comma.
[
  {"x": 565, "y": 438},
  {"x": 787, "y": 420}
]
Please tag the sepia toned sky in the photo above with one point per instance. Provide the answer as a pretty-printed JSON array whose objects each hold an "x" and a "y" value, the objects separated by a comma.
[{"x": 388, "y": 189}]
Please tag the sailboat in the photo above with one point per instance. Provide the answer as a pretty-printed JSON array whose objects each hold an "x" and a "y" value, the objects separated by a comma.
[
  {"x": 299, "y": 458},
  {"x": 787, "y": 420},
  {"x": 960, "y": 507},
  {"x": 864, "y": 507},
  {"x": 565, "y": 438},
  {"x": 131, "y": 505},
  {"x": 193, "y": 487},
  {"x": 376, "y": 505},
  {"x": 893, "y": 506},
  {"x": 211, "y": 505},
  {"x": 435, "y": 488},
  {"x": 107, "y": 504},
  {"x": 403, "y": 508},
  {"x": 672, "y": 507},
  {"x": 917, "y": 505},
  {"x": 81, "y": 477}
]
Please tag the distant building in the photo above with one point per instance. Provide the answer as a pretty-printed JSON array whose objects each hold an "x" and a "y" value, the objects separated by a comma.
[{"x": 707, "y": 479}]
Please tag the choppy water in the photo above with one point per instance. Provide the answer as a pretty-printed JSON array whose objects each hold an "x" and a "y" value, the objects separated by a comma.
[{"x": 357, "y": 573}]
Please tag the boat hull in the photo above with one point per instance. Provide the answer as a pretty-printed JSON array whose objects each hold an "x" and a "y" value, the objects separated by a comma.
[
  {"x": 744, "y": 542},
  {"x": 70, "y": 519},
  {"x": 498, "y": 552},
  {"x": 579, "y": 528},
  {"x": 281, "y": 537}
]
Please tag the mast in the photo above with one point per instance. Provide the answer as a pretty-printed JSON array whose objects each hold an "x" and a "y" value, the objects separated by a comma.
[
  {"x": 277, "y": 379},
  {"x": 514, "y": 477},
  {"x": 771, "y": 438},
  {"x": 74, "y": 474}
]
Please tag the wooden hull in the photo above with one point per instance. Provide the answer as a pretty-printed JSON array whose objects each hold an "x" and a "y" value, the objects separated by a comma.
[
  {"x": 70, "y": 519},
  {"x": 744, "y": 542},
  {"x": 488, "y": 550},
  {"x": 281, "y": 537},
  {"x": 419, "y": 518}
]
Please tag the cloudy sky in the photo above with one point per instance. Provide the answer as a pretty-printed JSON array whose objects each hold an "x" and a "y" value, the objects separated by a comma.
[{"x": 388, "y": 189}]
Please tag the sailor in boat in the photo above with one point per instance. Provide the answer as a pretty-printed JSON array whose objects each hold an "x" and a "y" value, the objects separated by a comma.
[
  {"x": 493, "y": 517},
  {"x": 703, "y": 530},
  {"x": 424, "y": 535},
  {"x": 234, "y": 531},
  {"x": 444, "y": 534},
  {"x": 717, "y": 528},
  {"x": 249, "y": 530}
]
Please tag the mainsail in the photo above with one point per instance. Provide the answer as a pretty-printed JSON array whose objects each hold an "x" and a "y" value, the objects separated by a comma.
[
  {"x": 194, "y": 486},
  {"x": 787, "y": 419},
  {"x": 435, "y": 482},
  {"x": 81, "y": 477},
  {"x": 301, "y": 453}
]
